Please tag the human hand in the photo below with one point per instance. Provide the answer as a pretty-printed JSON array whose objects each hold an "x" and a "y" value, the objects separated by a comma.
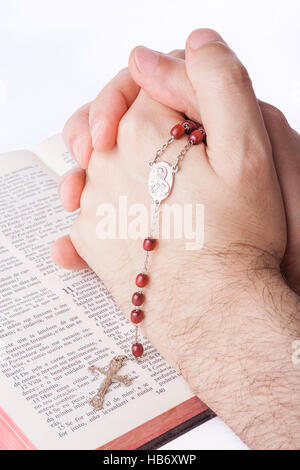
[
  {"x": 170, "y": 85},
  {"x": 93, "y": 126},
  {"x": 221, "y": 311}
]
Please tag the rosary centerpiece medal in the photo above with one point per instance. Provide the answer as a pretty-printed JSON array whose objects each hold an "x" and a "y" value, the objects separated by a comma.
[{"x": 160, "y": 181}]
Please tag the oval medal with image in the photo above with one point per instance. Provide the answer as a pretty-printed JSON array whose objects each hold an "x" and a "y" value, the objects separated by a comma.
[{"x": 160, "y": 181}]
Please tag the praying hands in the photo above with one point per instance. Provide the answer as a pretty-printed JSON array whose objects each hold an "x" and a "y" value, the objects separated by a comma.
[{"x": 226, "y": 315}]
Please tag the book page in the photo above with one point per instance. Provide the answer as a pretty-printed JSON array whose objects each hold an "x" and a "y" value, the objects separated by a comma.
[
  {"x": 55, "y": 323},
  {"x": 55, "y": 155}
]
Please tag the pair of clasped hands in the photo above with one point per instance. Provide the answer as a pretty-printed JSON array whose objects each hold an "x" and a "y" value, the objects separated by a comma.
[{"x": 226, "y": 316}]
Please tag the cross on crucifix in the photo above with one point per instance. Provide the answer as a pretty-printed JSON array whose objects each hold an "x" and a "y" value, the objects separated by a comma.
[{"x": 111, "y": 376}]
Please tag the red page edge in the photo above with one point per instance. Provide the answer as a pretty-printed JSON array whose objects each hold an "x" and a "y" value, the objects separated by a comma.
[{"x": 12, "y": 438}]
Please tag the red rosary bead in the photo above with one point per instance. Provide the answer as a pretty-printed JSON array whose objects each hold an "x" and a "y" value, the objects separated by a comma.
[
  {"x": 149, "y": 244},
  {"x": 138, "y": 299},
  {"x": 137, "y": 349},
  {"x": 136, "y": 315},
  {"x": 196, "y": 137},
  {"x": 177, "y": 131},
  {"x": 189, "y": 126},
  {"x": 141, "y": 280}
]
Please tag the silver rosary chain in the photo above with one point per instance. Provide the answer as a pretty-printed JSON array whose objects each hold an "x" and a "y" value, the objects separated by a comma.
[
  {"x": 155, "y": 215},
  {"x": 161, "y": 150},
  {"x": 179, "y": 158},
  {"x": 181, "y": 155},
  {"x": 154, "y": 218}
]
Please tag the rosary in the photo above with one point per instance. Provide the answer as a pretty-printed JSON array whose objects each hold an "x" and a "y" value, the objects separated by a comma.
[{"x": 160, "y": 183}]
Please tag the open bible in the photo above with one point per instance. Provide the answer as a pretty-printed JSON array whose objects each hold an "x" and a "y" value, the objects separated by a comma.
[{"x": 54, "y": 324}]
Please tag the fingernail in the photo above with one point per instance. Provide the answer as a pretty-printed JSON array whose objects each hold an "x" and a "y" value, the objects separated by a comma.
[
  {"x": 97, "y": 131},
  {"x": 202, "y": 36},
  {"x": 81, "y": 148},
  {"x": 65, "y": 177},
  {"x": 146, "y": 59}
]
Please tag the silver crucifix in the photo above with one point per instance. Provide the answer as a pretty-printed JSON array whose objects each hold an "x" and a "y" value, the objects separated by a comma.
[{"x": 111, "y": 376}]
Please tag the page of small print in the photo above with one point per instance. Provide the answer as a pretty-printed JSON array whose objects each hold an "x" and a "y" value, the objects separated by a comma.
[{"x": 55, "y": 323}]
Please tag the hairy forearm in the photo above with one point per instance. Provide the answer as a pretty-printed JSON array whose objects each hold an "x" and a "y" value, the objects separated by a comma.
[
  {"x": 238, "y": 360},
  {"x": 227, "y": 321}
]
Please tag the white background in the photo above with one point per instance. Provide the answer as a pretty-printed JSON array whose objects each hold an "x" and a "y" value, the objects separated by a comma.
[{"x": 57, "y": 54}]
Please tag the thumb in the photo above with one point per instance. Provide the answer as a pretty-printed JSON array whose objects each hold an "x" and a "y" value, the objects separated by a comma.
[
  {"x": 211, "y": 86},
  {"x": 223, "y": 90},
  {"x": 164, "y": 76}
]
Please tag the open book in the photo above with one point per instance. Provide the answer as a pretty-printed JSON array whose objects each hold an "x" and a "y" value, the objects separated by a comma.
[{"x": 55, "y": 323}]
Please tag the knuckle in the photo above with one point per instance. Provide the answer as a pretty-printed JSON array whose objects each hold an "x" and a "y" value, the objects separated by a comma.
[
  {"x": 92, "y": 169},
  {"x": 123, "y": 71},
  {"x": 256, "y": 168},
  {"x": 97, "y": 170},
  {"x": 233, "y": 76},
  {"x": 85, "y": 200},
  {"x": 95, "y": 115},
  {"x": 271, "y": 112},
  {"x": 75, "y": 126},
  {"x": 257, "y": 162},
  {"x": 179, "y": 53},
  {"x": 226, "y": 70},
  {"x": 66, "y": 132}
]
